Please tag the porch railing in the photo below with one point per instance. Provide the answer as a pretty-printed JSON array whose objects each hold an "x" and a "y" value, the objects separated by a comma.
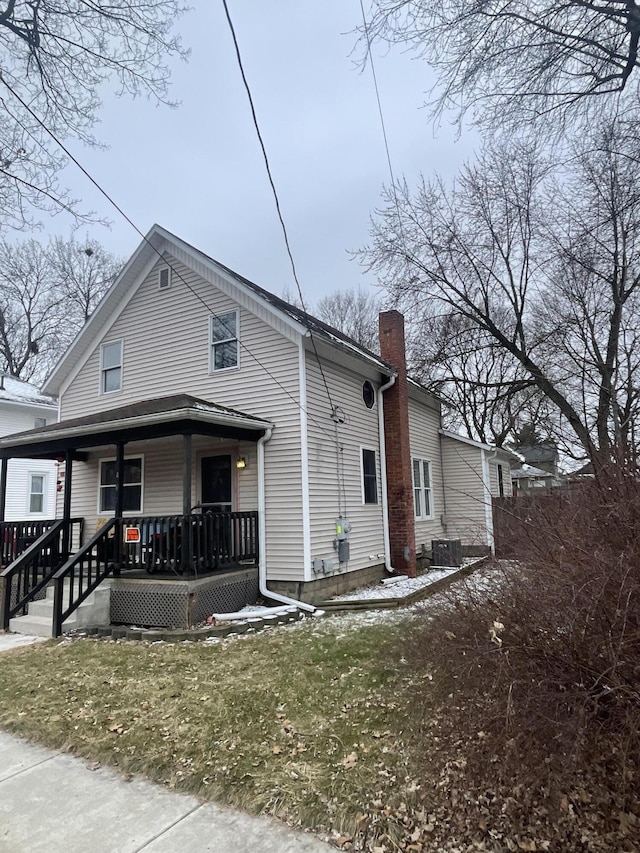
[
  {"x": 84, "y": 572},
  {"x": 16, "y": 536},
  {"x": 30, "y": 572},
  {"x": 196, "y": 542}
]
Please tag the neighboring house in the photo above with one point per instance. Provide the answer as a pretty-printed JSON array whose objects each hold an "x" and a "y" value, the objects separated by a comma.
[
  {"x": 528, "y": 478},
  {"x": 31, "y": 483},
  {"x": 476, "y": 473},
  {"x": 196, "y": 405}
]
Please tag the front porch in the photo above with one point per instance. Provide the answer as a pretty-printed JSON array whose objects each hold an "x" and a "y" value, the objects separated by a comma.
[{"x": 171, "y": 557}]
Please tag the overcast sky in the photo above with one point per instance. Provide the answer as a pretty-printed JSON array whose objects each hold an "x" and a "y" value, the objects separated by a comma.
[{"x": 198, "y": 170}]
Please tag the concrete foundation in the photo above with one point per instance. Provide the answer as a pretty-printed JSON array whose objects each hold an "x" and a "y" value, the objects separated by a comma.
[{"x": 324, "y": 587}]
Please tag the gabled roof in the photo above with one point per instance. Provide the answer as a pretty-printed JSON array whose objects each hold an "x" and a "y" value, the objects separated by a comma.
[
  {"x": 14, "y": 390},
  {"x": 531, "y": 472},
  {"x": 150, "y": 251}
]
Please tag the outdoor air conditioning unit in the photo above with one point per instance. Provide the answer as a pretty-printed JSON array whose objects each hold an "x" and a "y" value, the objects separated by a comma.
[{"x": 446, "y": 552}]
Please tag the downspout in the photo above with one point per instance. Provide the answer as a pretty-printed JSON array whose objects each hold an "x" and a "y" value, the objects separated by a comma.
[
  {"x": 262, "y": 534},
  {"x": 487, "y": 458},
  {"x": 383, "y": 474}
]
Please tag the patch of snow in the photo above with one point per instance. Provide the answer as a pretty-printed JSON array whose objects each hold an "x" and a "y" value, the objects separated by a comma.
[{"x": 17, "y": 391}]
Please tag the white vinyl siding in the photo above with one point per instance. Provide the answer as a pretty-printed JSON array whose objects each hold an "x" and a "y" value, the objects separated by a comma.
[
  {"x": 331, "y": 493},
  {"x": 157, "y": 366},
  {"x": 466, "y": 494},
  {"x": 424, "y": 427},
  {"x": 18, "y": 418},
  {"x": 507, "y": 487}
]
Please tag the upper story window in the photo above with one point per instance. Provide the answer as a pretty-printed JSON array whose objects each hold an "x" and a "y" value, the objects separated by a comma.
[
  {"x": 369, "y": 476},
  {"x": 111, "y": 367},
  {"x": 368, "y": 394},
  {"x": 223, "y": 335},
  {"x": 40, "y": 422},
  {"x": 422, "y": 497},
  {"x": 132, "y": 497}
]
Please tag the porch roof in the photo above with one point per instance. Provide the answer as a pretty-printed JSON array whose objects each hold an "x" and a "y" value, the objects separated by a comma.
[{"x": 164, "y": 416}]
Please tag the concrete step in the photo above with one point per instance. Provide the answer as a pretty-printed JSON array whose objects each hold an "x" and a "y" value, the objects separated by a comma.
[{"x": 93, "y": 611}]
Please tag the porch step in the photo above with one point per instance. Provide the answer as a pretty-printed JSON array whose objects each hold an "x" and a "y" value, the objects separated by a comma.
[{"x": 38, "y": 622}]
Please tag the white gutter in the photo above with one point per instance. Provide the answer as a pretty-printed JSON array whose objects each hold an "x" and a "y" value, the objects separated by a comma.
[
  {"x": 383, "y": 474},
  {"x": 262, "y": 534}
]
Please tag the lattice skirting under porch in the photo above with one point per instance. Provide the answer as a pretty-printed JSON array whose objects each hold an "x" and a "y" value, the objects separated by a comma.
[{"x": 180, "y": 603}]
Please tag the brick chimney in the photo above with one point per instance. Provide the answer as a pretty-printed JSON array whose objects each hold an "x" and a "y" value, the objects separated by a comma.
[{"x": 397, "y": 446}]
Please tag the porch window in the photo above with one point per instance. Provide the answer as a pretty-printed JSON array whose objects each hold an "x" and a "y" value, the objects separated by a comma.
[
  {"x": 369, "y": 476},
  {"x": 224, "y": 341},
  {"x": 36, "y": 492},
  {"x": 111, "y": 367},
  {"x": 132, "y": 498},
  {"x": 422, "y": 498}
]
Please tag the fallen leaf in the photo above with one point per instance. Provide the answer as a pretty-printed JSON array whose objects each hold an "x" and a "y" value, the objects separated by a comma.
[
  {"x": 526, "y": 844},
  {"x": 350, "y": 761},
  {"x": 276, "y": 750}
]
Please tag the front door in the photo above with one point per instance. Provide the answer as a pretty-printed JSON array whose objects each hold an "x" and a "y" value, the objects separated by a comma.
[{"x": 216, "y": 483}]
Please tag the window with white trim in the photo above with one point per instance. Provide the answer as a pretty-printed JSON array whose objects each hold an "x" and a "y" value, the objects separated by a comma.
[
  {"x": 500, "y": 481},
  {"x": 132, "y": 497},
  {"x": 111, "y": 367},
  {"x": 223, "y": 338},
  {"x": 37, "y": 490},
  {"x": 422, "y": 497},
  {"x": 368, "y": 464}
]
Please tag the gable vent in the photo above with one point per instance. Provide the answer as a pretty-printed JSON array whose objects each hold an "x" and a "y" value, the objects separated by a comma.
[{"x": 164, "y": 279}]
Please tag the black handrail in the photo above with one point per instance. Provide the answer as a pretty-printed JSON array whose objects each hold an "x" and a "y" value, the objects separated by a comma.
[
  {"x": 29, "y": 573},
  {"x": 85, "y": 571}
]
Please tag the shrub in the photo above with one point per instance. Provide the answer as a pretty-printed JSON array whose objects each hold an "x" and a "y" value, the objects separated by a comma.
[{"x": 540, "y": 674}]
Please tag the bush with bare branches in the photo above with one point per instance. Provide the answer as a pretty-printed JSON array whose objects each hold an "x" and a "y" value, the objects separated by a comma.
[{"x": 540, "y": 677}]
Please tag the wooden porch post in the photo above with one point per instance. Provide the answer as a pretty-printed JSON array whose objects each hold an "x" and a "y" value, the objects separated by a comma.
[
  {"x": 4, "y": 465},
  {"x": 119, "y": 505},
  {"x": 66, "y": 506},
  {"x": 187, "y": 543}
]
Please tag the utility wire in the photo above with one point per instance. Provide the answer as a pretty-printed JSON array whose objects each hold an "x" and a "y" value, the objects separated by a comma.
[
  {"x": 382, "y": 122},
  {"x": 177, "y": 272},
  {"x": 274, "y": 191}
]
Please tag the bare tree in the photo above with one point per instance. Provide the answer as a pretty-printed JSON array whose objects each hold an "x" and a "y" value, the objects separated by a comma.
[
  {"x": 353, "y": 312},
  {"x": 55, "y": 55},
  {"x": 496, "y": 248},
  {"x": 47, "y": 293},
  {"x": 520, "y": 61},
  {"x": 485, "y": 389}
]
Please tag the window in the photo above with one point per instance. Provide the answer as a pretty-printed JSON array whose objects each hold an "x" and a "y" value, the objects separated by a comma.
[
  {"x": 111, "y": 367},
  {"x": 422, "y": 501},
  {"x": 500, "y": 481},
  {"x": 164, "y": 278},
  {"x": 369, "y": 477},
  {"x": 40, "y": 422},
  {"x": 224, "y": 341},
  {"x": 37, "y": 484},
  {"x": 132, "y": 499},
  {"x": 368, "y": 394}
]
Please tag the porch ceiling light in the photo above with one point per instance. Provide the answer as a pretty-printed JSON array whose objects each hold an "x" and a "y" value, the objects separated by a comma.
[{"x": 241, "y": 462}]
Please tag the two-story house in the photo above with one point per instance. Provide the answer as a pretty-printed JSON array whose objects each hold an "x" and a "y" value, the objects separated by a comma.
[{"x": 207, "y": 424}]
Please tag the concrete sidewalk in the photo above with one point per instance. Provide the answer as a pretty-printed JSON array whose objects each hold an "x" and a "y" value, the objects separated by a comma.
[{"x": 52, "y": 802}]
